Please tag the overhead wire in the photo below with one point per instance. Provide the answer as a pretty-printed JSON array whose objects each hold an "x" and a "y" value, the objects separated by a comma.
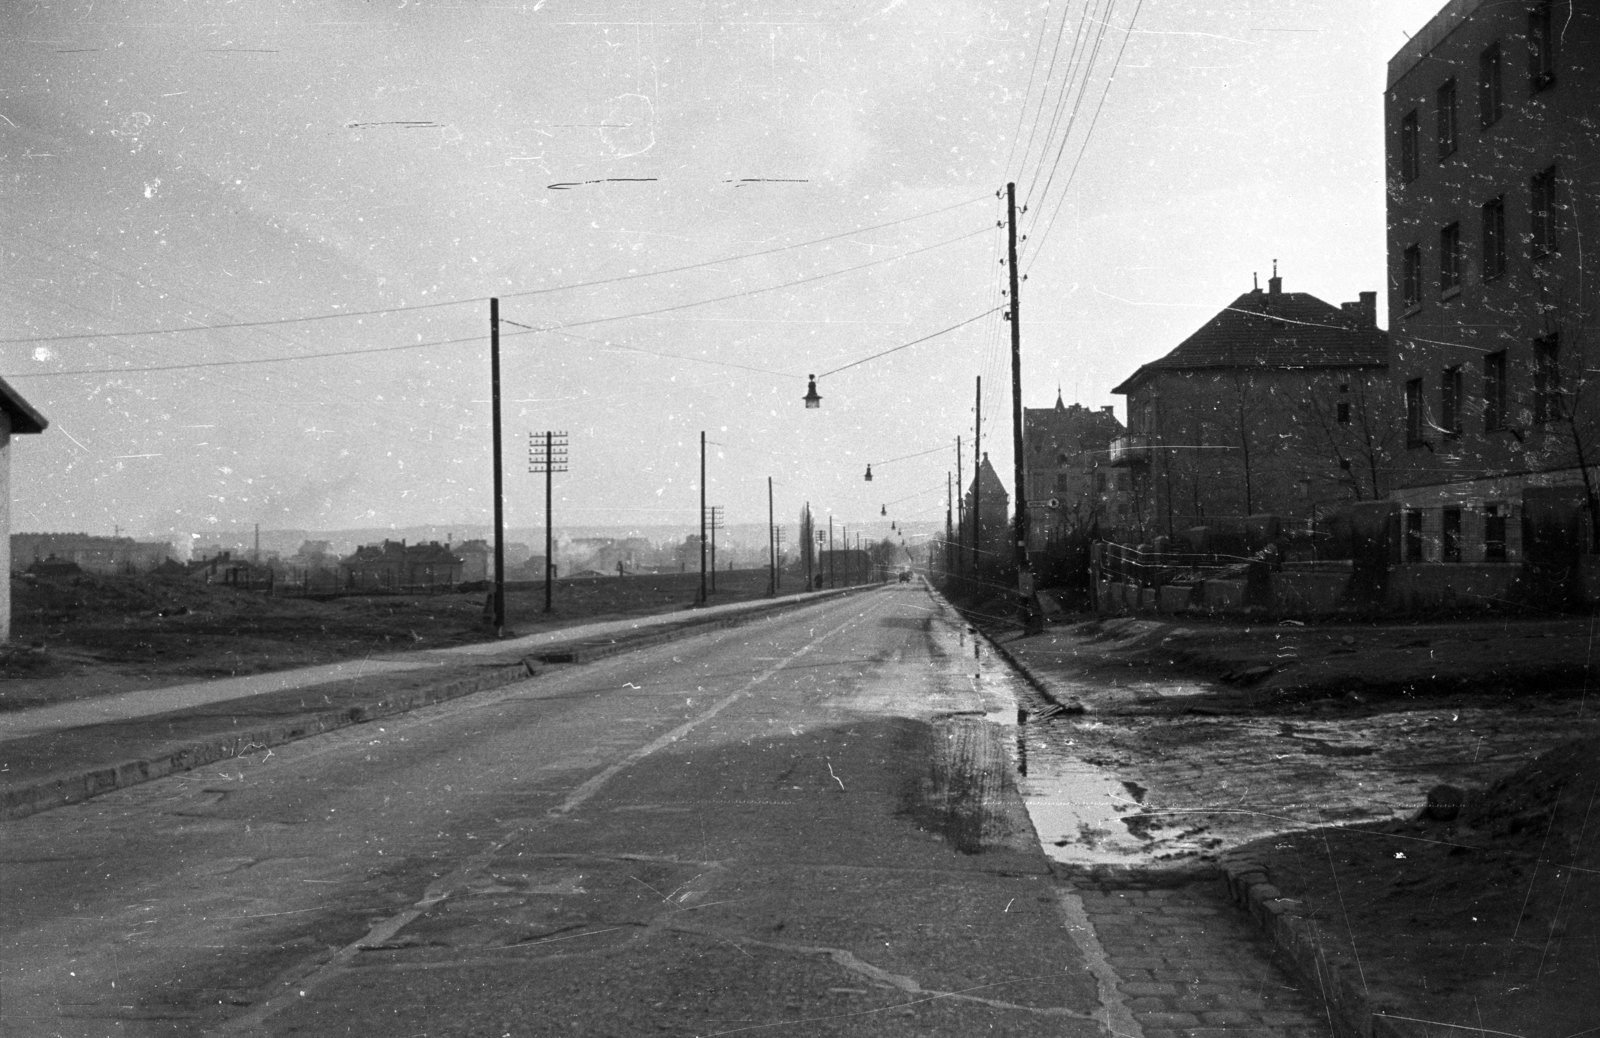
[
  {"x": 334, "y": 315},
  {"x": 526, "y": 329},
  {"x": 1071, "y": 86},
  {"x": 1088, "y": 134},
  {"x": 1072, "y": 120}
]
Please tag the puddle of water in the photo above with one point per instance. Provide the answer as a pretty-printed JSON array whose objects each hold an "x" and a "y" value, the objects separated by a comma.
[{"x": 1079, "y": 811}]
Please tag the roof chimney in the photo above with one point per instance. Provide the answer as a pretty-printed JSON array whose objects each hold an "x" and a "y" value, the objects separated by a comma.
[
  {"x": 1364, "y": 312},
  {"x": 1275, "y": 283}
]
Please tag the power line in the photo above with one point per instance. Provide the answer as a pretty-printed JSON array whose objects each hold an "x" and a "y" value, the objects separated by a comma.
[
  {"x": 902, "y": 346},
  {"x": 755, "y": 291},
  {"x": 1088, "y": 134},
  {"x": 474, "y": 338},
  {"x": 478, "y": 299},
  {"x": 1072, "y": 120}
]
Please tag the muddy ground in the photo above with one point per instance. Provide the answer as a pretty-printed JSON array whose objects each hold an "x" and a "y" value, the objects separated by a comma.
[
  {"x": 77, "y": 637},
  {"x": 1311, "y": 749}
]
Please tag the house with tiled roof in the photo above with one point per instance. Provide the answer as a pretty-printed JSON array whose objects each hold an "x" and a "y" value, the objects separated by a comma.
[
  {"x": 1280, "y": 404},
  {"x": 395, "y": 565}
]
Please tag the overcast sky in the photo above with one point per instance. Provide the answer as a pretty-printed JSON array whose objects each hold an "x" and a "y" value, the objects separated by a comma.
[{"x": 173, "y": 165}]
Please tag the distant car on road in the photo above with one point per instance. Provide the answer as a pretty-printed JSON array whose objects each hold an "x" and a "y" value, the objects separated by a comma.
[{"x": 905, "y": 576}]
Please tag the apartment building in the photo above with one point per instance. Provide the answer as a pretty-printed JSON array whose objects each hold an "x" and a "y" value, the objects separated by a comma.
[{"x": 1491, "y": 119}]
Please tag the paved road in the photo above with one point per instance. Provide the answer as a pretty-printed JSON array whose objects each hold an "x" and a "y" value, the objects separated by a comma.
[{"x": 801, "y": 825}]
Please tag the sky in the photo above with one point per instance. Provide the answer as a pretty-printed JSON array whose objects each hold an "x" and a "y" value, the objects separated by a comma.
[{"x": 246, "y": 250}]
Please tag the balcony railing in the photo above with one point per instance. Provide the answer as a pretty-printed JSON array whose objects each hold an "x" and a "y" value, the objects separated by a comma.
[{"x": 1130, "y": 450}]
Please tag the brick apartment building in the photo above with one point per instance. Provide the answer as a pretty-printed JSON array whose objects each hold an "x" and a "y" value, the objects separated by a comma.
[
  {"x": 1280, "y": 404},
  {"x": 1066, "y": 458},
  {"x": 1492, "y": 167}
]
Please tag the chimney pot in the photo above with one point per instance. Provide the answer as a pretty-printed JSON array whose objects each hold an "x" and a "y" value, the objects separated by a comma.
[{"x": 1275, "y": 283}]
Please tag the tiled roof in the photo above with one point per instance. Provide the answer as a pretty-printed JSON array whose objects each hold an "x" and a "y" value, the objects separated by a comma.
[{"x": 1291, "y": 330}]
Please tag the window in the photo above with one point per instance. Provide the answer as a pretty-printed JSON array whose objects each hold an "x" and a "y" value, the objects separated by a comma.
[
  {"x": 1409, "y": 145},
  {"x": 1494, "y": 238},
  {"x": 1344, "y": 403},
  {"x": 1494, "y": 533},
  {"x": 1413, "y": 536},
  {"x": 1541, "y": 47},
  {"x": 1450, "y": 402},
  {"x": 1450, "y": 258},
  {"x": 1445, "y": 102},
  {"x": 1411, "y": 277},
  {"x": 1494, "y": 392},
  {"x": 1450, "y": 535},
  {"x": 1542, "y": 224},
  {"x": 1490, "y": 105},
  {"x": 1547, "y": 379},
  {"x": 1414, "y": 413}
]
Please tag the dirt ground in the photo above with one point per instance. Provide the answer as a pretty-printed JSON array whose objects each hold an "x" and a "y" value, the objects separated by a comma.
[
  {"x": 1312, "y": 749},
  {"x": 82, "y": 636}
]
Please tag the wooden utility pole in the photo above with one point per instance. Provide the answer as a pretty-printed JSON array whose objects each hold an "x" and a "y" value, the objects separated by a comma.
[
  {"x": 1029, "y": 615},
  {"x": 961, "y": 516},
  {"x": 702, "y": 599},
  {"x": 948, "y": 514},
  {"x": 499, "y": 480},
  {"x": 772, "y": 546},
  {"x": 542, "y": 457},
  {"x": 977, "y": 482}
]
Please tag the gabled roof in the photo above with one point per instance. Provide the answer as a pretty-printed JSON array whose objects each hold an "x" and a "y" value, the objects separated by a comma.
[
  {"x": 1265, "y": 331},
  {"x": 24, "y": 419}
]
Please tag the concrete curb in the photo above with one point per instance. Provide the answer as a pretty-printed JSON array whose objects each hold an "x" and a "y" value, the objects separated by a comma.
[
  {"x": 75, "y": 786},
  {"x": 1354, "y": 1012}
]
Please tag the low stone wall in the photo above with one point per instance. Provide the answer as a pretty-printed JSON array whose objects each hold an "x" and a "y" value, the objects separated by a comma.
[
  {"x": 1424, "y": 585},
  {"x": 1308, "y": 593}
]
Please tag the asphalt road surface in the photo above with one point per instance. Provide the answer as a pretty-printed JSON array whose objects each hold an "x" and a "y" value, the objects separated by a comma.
[{"x": 804, "y": 825}]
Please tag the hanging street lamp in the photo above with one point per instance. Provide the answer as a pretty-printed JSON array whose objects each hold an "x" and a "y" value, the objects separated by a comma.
[
  {"x": 812, "y": 398},
  {"x": 869, "y": 472}
]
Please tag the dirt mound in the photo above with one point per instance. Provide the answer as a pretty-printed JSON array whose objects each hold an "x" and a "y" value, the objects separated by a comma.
[
  {"x": 1547, "y": 803},
  {"x": 1491, "y": 920}
]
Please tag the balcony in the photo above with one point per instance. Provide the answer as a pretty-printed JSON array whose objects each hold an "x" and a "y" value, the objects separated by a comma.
[{"x": 1130, "y": 450}]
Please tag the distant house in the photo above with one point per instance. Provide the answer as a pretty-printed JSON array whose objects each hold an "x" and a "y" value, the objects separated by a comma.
[
  {"x": 93, "y": 554},
  {"x": 223, "y": 568},
  {"x": 54, "y": 567},
  {"x": 477, "y": 560},
  {"x": 395, "y": 565},
  {"x": 1279, "y": 404},
  {"x": 16, "y": 417},
  {"x": 987, "y": 501},
  {"x": 1068, "y": 475}
]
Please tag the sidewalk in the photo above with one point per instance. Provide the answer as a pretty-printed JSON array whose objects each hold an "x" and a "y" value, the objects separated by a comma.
[{"x": 55, "y": 755}]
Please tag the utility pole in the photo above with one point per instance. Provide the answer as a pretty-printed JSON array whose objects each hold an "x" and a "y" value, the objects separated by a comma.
[
  {"x": 1029, "y": 615},
  {"x": 948, "y": 511},
  {"x": 499, "y": 480},
  {"x": 716, "y": 522},
  {"x": 772, "y": 547},
  {"x": 809, "y": 538},
  {"x": 961, "y": 515},
  {"x": 830, "y": 551},
  {"x": 549, "y": 458},
  {"x": 977, "y": 483},
  {"x": 702, "y": 598}
]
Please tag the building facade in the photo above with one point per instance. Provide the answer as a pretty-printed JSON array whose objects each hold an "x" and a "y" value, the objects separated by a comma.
[
  {"x": 1279, "y": 405},
  {"x": 987, "y": 501},
  {"x": 1489, "y": 117},
  {"x": 92, "y": 554},
  {"x": 1072, "y": 486}
]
